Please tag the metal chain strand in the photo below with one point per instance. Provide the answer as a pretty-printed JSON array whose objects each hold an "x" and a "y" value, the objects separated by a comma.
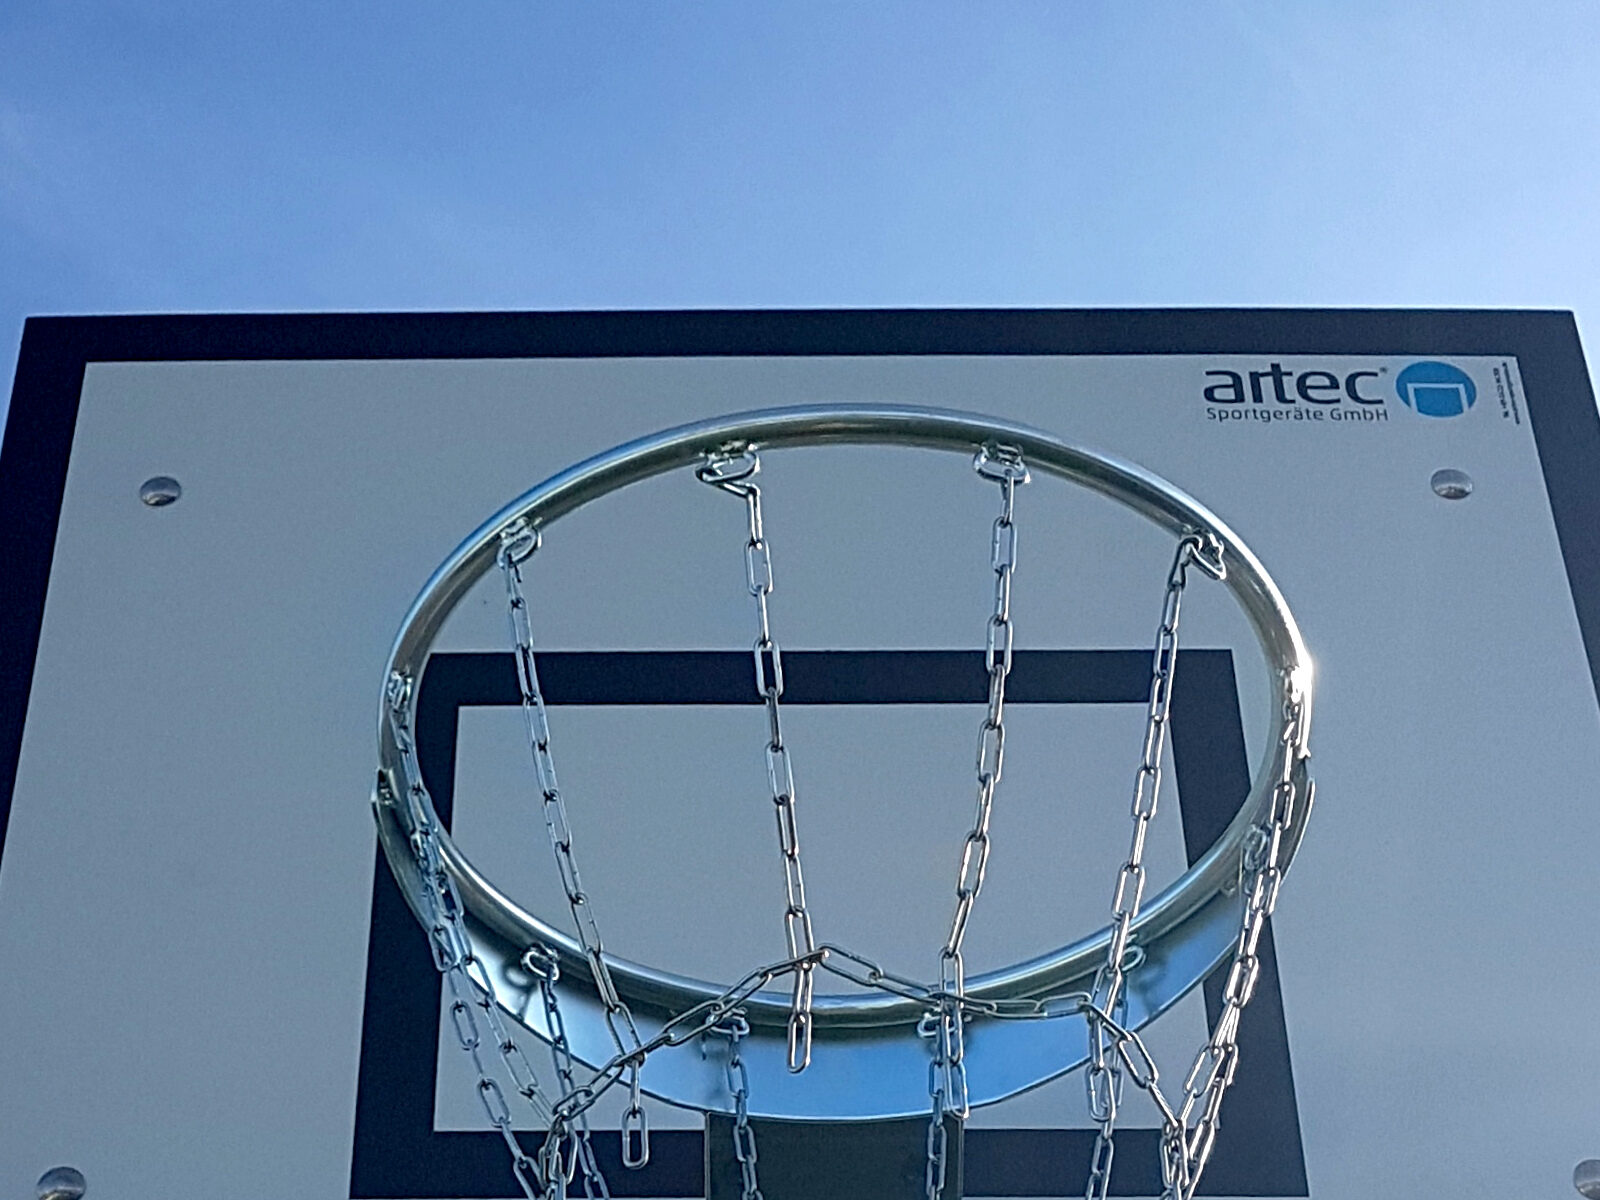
[
  {"x": 861, "y": 970},
  {"x": 555, "y": 1169},
  {"x": 1191, "y": 1135},
  {"x": 518, "y": 543},
  {"x": 732, "y": 472},
  {"x": 935, "y": 1168},
  {"x": 541, "y": 963},
  {"x": 470, "y": 985},
  {"x": 705, "y": 1016},
  {"x": 1104, "y": 1078},
  {"x": 947, "y": 1085},
  {"x": 736, "y": 1028}
]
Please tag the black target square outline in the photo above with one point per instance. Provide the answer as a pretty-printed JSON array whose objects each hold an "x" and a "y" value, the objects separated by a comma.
[{"x": 397, "y": 1154}]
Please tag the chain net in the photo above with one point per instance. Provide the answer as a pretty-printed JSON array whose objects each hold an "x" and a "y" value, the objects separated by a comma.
[{"x": 565, "y": 1156}]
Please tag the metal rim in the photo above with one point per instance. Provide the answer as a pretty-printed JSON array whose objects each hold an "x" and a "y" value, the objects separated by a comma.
[{"x": 1190, "y": 903}]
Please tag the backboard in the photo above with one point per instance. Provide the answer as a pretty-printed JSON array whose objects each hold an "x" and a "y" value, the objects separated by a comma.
[{"x": 216, "y": 984}]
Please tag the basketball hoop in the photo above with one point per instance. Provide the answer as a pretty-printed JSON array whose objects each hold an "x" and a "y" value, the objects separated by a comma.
[{"x": 902, "y": 1046}]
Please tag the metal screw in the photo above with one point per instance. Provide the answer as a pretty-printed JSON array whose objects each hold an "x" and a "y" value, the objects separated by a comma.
[
  {"x": 1586, "y": 1178},
  {"x": 1451, "y": 484},
  {"x": 160, "y": 491},
  {"x": 61, "y": 1183}
]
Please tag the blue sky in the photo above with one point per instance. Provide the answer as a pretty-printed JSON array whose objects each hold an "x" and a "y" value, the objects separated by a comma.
[{"x": 178, "y": 156}]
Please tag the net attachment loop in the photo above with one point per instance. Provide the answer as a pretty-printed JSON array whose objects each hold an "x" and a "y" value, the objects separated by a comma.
[
  {"x": 1205, "y": 552},
  {"x": 729, "y": 467},
  {"x": 1001, "y": 463},
  {"x": 519, "y": 541}
]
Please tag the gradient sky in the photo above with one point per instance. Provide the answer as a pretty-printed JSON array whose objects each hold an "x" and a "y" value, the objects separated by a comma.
[{"x": 184, "y": 156}]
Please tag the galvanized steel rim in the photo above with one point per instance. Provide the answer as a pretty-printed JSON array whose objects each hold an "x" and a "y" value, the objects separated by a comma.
[{"x": 1215, "y": 873}]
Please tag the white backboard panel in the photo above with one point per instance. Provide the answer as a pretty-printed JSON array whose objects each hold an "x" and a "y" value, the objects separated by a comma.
[{"x": 213, "y": 984}]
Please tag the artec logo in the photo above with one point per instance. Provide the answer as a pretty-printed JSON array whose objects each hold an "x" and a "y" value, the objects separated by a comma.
[
  {"x": 1435, "y": 389},
  {"x": 1284, "y": 396},
  {"x": 1282, "y": 387}
]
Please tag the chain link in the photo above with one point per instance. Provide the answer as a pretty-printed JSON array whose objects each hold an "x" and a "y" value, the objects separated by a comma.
[
  {"x": 1104, "y": 1077},
  {"x": 862, "y": 971},
  {"x": 936, "y": 1159},
  {"x": 934, "y": 1173},
  {"x": 736, "y": 1028},
  {"x": 470, "y": 986},
  {"x": 519, "y": 542},
  {"x": 947, "y": 1078},
  {"x": 541, "y": 963},
  {"x": 556, "y": 1159},
  {"x": 690, "y": 1023},
  {"x": 1189, "y": 1130},
  {"x": 1190, "y": 1137},
  {"x": 732, "y": 472}
]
